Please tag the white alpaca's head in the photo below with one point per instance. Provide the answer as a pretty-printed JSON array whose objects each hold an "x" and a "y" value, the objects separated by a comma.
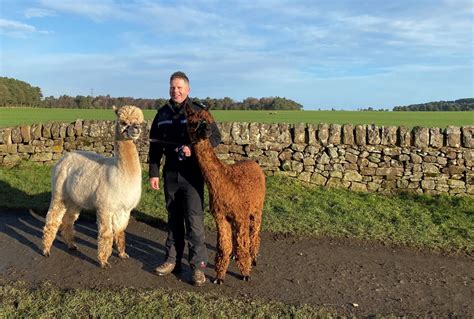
[{"x": 128, "y": 123}]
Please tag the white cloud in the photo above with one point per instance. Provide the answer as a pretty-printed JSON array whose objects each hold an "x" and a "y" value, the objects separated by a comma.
[
  {"x": 38, "y": 13},
  {"x": 15, "y": 29},
  {"x": 97, "y": 10},
  {"x": 434, "y": 27}
]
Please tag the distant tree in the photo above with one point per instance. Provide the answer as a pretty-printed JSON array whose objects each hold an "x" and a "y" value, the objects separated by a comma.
[
  {"x": 83, "y": 102},
  {"x": 67, "y": 102},
  {"x": 14, "y": 92},
  {"x": 285, "y": 104},
  {"x": 465, "y": 101},
  {"x": 49, "y": 102},
  {"x": 5, "y": 95},
  {"x": 466, "y": 104},
  {"x": 250, "y": 103}
]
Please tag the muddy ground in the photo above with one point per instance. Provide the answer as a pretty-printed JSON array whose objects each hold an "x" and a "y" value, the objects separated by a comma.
[{"x": 324, "y": 272}]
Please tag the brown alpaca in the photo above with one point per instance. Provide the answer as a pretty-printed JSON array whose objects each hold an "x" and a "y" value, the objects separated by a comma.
[
  {"x": 111, "y": 186},
  {"x": 236, "y": 194}
]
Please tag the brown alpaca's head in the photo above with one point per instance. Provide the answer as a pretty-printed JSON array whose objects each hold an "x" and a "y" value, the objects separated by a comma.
[
  {"x": 198, "y": 122},
  {"x": 128, "y": 123}
]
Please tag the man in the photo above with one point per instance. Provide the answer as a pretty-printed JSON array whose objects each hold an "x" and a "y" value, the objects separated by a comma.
[{"x": 183, "y": 181}]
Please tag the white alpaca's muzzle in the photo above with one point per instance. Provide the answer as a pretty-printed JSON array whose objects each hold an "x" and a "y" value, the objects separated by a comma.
[{"x": 131, "y": 132}]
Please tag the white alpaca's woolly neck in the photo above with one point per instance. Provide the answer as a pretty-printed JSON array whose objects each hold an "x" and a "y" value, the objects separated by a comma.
[{"x": 127, "y": 158}]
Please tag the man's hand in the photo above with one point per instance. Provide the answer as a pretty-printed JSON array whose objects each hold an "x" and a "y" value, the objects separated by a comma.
[
  {"x": 155, "y": 183},
  {"x": 186, "y": 151},
  {"x": 183, "y": 152}
]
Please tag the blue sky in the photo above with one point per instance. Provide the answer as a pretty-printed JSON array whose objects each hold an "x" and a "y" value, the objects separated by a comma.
[{"x": 330, "y": 53}]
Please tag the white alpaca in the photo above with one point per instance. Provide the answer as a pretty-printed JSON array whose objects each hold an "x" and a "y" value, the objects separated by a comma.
[{"x": 111, "y": 186}]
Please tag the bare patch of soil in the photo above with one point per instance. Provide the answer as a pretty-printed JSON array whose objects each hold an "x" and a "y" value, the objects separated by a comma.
[{"x": 360, "y": 279}]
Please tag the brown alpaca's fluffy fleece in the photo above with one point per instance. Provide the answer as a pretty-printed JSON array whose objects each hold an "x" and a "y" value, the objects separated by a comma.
[
  {"x": 110, "y": 186},
  {"x": 236, "y": 194}
]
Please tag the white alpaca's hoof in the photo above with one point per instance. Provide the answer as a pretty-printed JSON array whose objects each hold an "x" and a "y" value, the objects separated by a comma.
[
  {"x": 124, "y": 256},
  {"x": 46, "y": 253}
]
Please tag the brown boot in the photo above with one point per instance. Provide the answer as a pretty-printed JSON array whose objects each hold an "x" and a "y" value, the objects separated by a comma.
[
  {"x": 199, "y": 278},
  {"x": 165, "y": 268}
]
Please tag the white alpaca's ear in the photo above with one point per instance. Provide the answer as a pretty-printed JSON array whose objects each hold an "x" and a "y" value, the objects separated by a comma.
[{"x": 115, "y": 108}]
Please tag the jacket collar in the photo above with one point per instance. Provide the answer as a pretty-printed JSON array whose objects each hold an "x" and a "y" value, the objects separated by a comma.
[{"x": 177, "y": 108}]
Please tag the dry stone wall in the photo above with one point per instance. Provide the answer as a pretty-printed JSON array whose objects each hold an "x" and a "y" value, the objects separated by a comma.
[{"x": 364, "y": 158}]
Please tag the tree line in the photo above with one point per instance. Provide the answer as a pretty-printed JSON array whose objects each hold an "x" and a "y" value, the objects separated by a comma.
[
  {"x": 14, "y": 92},
  {"x": 103, "y": 102},
  {"x": 457, "y": 105},
  {"x": 18, "y": 93}
]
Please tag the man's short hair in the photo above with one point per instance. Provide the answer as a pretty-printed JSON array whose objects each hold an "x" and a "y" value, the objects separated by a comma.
[{"x": 179, "y": 75}]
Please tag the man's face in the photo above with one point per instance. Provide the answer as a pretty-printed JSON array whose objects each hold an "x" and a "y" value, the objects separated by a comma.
[{"x": 179, "y": 90}]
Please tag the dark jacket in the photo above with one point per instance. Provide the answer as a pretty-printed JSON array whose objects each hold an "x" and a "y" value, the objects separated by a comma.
[{"x": 169, "y": 130}]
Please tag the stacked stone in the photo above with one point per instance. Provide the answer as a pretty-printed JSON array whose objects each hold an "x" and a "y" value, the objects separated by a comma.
[
  {"x": 361, "y": 157},
  {"x": 46, "y": 143}
]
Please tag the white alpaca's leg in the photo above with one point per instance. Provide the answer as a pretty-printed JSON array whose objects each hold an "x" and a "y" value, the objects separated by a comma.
[
  {"x": 67, "y": 226},
  {"x": 120, "y": 222},
  {"x": 53, "y": 221},
  {"x": 119, "y": 239},
  {"x": 105, "y": 238}
]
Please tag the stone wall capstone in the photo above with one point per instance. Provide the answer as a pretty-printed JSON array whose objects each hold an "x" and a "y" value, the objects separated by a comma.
[{"x": 365, "y": 158}]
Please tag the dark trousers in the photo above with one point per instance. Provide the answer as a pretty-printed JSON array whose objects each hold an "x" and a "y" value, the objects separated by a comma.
[{"x": 185, "y": 204}]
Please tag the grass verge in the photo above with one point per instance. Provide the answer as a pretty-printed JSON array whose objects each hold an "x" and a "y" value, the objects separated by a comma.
[{"x": 48, "y": 301}]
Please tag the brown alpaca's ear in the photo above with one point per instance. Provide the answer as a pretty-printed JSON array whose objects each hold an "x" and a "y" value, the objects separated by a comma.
[{"x": 188, "y": 110}]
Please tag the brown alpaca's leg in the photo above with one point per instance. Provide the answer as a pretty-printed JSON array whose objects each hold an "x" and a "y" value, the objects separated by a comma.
[
  {"x": 255, "y": 223},
  {"x": 244, "y": 262},
  {"x": 105, "y": 239},
  {"x": 67, "y": 226},
  {"x": 119, "y": 239},
  {"x": 224, "y": 248},
  {"x": 53, "y": 221},
  {"x": 234, "y": 244}
]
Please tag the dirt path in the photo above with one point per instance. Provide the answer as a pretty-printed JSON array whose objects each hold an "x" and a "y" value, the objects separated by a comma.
[{"x": 337, "y": 274}]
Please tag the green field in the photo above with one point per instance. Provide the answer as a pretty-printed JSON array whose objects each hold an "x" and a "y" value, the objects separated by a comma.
[{"x": 16, "y": 116}]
